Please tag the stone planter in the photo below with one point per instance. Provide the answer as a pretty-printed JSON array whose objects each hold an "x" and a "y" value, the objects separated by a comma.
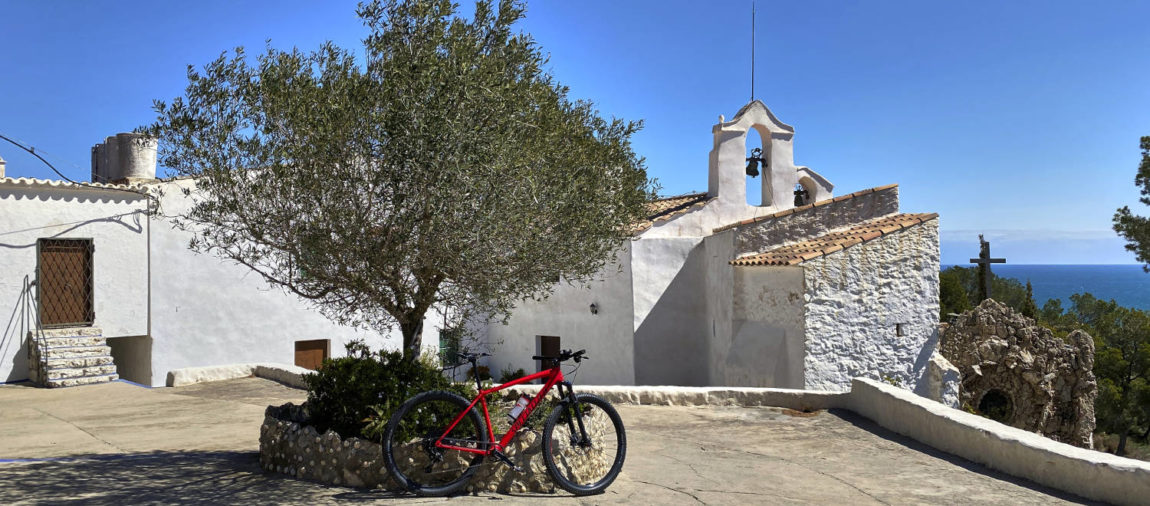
[{"x": 290, "y": 446}]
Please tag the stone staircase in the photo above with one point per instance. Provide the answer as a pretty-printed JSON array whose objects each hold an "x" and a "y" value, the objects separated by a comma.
[{"x": 69, "y": 357}]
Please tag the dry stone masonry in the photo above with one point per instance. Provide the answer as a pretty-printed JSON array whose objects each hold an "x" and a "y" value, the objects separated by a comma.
[
  {"x": 290, "y": 446},
  {"x": 1020, "y": 374}
]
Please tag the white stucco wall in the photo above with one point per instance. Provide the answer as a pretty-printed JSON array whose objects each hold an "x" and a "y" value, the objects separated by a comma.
[
  {"x": 857, "y": 295},
  {"x": 607, "y": 336},
  {"x": 670, "y": 311},
  {"x": 767, "y": 344},
  {"x": 115, "y": 222},
  {"x": 208, "y": 311},
  {"x": 719, "y": 249}
]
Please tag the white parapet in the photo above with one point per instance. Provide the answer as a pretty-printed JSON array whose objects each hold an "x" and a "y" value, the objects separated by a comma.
[{"x": 1088, "y": 473}]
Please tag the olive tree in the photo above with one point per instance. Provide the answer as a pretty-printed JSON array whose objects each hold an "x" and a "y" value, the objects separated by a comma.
[{"x": 445, "y": 169}]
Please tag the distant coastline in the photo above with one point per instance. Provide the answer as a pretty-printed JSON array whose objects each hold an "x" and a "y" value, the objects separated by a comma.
[{"x": 1127, "y": 284}]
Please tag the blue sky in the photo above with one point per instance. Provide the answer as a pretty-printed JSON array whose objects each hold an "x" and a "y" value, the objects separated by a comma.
[{"x": 1015, "y": 119}]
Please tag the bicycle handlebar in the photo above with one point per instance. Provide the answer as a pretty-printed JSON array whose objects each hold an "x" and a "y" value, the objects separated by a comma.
[
  {"x": 564, "y": 356},
  {"x": 471, "y": 356}
]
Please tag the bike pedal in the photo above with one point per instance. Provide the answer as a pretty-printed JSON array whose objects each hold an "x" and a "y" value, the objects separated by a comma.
[{"x": 503, "y": 458}]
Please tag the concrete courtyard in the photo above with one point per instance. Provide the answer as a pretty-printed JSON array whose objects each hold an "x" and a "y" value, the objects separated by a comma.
[{"x": 118, "y": 443}]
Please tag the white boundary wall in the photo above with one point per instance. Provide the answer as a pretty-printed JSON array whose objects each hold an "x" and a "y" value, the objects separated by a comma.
[{"x": 1088, "y": 473}]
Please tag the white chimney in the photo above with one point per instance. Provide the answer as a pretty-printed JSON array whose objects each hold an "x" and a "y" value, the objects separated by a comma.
[
  {"x": 124, "y": 158},
  {"x": 2, "y": 164}
]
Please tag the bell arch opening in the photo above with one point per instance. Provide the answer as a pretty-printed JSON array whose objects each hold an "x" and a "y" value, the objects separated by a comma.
[{"x": 758, "y": 174}]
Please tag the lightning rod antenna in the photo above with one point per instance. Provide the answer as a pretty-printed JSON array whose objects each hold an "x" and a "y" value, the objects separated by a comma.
[{"x": 752, "y": 50}]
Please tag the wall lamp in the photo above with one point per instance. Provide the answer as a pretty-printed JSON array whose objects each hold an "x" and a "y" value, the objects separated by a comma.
[{"x": 594, "y": 308}]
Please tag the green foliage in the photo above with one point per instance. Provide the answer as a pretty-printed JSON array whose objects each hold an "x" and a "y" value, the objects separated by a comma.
[
  {"x": 1136, "y": 229},
  {"x": 1122, "y": 366},
  {"x": 483, "y": 371},
  {"x": 952, "y": 297},
  {"x": 1121, "y": 360},
  {"x": 1029, "y": 308},
  {"x": 438, "y": 170},
  {"x": 1005, "y": 290},
  {"x": 507, "y": 374},
  {"x": 355, "y": 395}
]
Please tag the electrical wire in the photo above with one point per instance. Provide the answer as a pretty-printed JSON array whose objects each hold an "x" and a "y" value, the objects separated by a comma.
[{"x": 32, "y": 150}]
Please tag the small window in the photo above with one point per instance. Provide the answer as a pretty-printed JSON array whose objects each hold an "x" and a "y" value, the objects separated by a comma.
[
  {"x": 898, "y": 329},
  {"x": 311, "y": 354},
  {"x": 450, "y": 344}
]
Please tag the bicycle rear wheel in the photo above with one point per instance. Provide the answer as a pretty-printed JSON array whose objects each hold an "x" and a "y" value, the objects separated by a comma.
[
  {"x": 409, "y": 444},
  {"x": 579, "y": 465}
]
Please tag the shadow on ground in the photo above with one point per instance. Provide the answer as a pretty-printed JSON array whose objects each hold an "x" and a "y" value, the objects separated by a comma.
[
  {"x": 866, "y": 424},
  {"x": 179, "y": 478},
  {"x": 163, "y": 478}
]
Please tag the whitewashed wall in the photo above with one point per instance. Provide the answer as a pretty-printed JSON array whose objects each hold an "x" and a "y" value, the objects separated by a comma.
[
  {"x": 768, "y": 333},
  {"x": 854, "y": 299},
  {"x": 607, "y": 336},
  {"x": 209, "y": 311},
  {"x": 670, "y": 323},
  {"x": 114, "y": 220}
]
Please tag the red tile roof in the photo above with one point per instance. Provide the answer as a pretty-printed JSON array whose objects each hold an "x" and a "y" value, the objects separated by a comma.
[
  {"x": 800, "y": 252},
  {"x": 669, "y": 207}
]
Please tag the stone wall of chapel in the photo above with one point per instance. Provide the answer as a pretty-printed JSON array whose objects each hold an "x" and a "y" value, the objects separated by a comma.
[{"x": 859, "y": 301}]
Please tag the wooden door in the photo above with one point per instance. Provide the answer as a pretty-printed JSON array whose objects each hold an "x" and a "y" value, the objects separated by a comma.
[
  {"x": 65, "y": 282},
  {"x": 310, "y": 354},
  {"x": 548, "y": 347}
]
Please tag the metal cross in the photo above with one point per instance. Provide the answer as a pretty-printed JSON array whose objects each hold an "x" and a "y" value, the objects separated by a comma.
[{"x": 983, "y": 261}]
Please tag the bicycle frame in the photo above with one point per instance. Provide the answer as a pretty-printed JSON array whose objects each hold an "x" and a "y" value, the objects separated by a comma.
[{"x": 553, "y": 376}]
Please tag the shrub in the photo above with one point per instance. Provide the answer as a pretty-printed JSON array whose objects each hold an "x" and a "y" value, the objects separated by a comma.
[
  {"x": 355, "y": 395},
  {"x": 484, "y": 373},
  {"x": 507, "y": 374}
]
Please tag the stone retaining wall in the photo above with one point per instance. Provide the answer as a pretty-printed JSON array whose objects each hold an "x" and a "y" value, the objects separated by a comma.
[{"x": 289, "y": 446}]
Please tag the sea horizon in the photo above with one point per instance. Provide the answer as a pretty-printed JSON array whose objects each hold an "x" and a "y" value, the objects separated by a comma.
[{"x": 1126, "y": 284}]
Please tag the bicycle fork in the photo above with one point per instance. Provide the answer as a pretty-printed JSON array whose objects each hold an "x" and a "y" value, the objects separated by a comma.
[{"x": 578, "y": 437}]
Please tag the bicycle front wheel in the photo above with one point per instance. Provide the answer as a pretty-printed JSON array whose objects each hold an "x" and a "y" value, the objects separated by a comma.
[
  {"x": 584, "y": 460},
  {"x": 409, "y": 444}
]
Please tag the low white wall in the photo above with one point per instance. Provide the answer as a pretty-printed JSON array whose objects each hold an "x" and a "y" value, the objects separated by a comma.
[
  {"x": 289, "y": 375},
  {"x": 802, "y": 400},
  {"x": 1088, "y": 473}
]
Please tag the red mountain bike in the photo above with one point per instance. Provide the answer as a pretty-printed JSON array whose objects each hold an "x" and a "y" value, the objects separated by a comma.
[{"x": 434, "y": 442}]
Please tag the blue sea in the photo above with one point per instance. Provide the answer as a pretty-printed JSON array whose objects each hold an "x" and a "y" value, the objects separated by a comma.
[{"x": 1126, "y": 284}]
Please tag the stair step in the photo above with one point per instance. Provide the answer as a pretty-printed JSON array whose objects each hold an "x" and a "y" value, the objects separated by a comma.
[
  {"x": 86, "y": 380},
  {"x": 71, "y": 332},
  {"x": 64, "y": 342},
  {"x": 77, "y": 372},
  {"x": 77, "y": 352},
  {"x": 78, "y": 362}
]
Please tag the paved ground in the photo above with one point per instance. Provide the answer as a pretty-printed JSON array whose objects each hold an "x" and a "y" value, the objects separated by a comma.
[{"x": 123, "y": 444}]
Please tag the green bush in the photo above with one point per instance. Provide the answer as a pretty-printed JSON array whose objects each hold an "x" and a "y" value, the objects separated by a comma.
[
  {"x": 355, "y": 395},
  {"x": 507, "y": 374}
]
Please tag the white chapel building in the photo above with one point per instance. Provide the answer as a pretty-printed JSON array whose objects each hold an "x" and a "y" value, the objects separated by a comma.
[
  {"x": 715, "y": 291},
  {"x": 712, "y": 291}
]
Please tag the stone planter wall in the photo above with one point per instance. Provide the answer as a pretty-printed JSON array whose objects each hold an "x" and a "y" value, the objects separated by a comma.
[{"x": 290, "y": 446}]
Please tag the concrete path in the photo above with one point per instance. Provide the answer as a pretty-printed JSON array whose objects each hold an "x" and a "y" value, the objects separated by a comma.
[{"x": 123, "y": 444}]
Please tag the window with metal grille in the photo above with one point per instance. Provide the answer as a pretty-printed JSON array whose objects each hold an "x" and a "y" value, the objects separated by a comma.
[{"x": 64, "y": 281}]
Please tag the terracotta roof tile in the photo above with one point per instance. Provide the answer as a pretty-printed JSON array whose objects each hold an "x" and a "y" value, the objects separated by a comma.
[
  {"x": 831, "y": 242},
  {"x": 807, "y": 207},
  {"x": 669, "y": 207}
]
